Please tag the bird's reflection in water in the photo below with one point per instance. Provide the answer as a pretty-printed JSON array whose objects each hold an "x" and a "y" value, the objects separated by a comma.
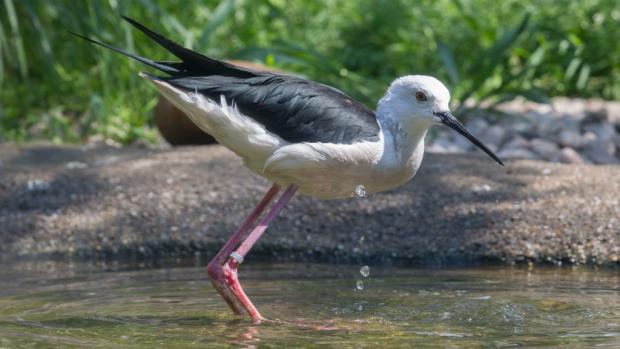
[
  {"x": 248, "y": 335},
  {"x": 244, "y": 334}
]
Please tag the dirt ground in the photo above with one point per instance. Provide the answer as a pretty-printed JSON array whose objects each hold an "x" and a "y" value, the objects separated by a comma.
[{"x": 106, "y": 202}]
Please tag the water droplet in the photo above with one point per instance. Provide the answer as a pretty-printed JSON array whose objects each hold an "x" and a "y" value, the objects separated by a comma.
[
  {"x": 365, "y": 271},
  {"x": 359, "y": 285},
  {"x": 360, "y": 191}
]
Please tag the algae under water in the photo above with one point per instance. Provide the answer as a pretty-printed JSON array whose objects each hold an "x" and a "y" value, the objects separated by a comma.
[{"x": 54, "y": 304}]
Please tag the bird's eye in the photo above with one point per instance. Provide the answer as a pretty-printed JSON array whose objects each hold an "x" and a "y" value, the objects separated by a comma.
[{"x": 420, "y": 96}]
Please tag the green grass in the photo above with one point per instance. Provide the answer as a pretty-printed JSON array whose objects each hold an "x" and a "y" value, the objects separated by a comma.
[{"x": 57, "y": 87}]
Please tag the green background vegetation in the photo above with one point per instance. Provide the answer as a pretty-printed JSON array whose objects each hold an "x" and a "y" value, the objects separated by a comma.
[{"x": 58, "y": 87}]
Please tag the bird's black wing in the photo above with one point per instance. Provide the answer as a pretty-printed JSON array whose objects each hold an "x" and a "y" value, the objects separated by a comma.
[{"x": 295, "y": 109}]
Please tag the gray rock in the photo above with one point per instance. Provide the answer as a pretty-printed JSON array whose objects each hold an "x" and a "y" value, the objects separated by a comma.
[
  {"x": 463, "y": 143},
  {"x": 597, "y": 115},
  {"x": 570, "y": 138},
  {"x": 570, "y": 156},
  {"x": 477, "y": 126},
  {"x": 570, "y": 123},
  {"x": 604, "y": 131},
  {"x": 493, "y": 137},
  {"x": 443, "y": 145},
  {"x": 547, "y": 149},
  {"x": 516, "y": 142},
  {"x": 516, "y": 127},
  {"x": 587, "y": 138},
  {"x": 548, "y": 125},
  {"x": 601, "y": 152}
]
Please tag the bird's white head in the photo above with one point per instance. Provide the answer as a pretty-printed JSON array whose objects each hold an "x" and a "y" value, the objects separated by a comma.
[
  {"x": 413, "y": 100},
  {"x": 416, "y": 102}
]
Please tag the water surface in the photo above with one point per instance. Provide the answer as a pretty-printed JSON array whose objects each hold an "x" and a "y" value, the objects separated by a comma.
[{"x": 51, "y": 304}]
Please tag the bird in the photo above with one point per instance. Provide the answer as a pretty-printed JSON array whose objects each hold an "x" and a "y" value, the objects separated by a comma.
[{"x": 303, "y": 136}]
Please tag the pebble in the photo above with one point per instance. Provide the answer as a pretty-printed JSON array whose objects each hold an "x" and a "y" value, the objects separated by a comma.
[
  {"x": 570, "y": 156},
  {"x": 481, "y": 188},
  {"x": 37, "y": 185},
  {"x": 75, "y": 165},
  {"x": 613, "y": 112}
]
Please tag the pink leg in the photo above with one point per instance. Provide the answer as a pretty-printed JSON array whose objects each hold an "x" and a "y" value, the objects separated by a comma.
[
  {"x": 215, "y": 270},
  {"x": 236, "y": 257}
]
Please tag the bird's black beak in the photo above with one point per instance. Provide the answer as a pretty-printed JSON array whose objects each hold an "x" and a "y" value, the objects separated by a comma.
[{"x": 448, "y": 119}]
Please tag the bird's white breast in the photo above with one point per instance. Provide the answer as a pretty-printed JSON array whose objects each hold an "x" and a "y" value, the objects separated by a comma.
[{"x": 330, "y": 171}]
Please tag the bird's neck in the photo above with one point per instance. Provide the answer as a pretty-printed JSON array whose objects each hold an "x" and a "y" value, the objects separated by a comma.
[{"x": 403, "y": 144}]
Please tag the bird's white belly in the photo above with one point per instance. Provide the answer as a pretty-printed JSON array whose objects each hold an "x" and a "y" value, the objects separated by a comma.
[{"x": 331, "y": 171}]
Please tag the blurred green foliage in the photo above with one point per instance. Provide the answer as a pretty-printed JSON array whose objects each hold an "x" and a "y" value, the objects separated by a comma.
[{"x": 56, "y": 86}]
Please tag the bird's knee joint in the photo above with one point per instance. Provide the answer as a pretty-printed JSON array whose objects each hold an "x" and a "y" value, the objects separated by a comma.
[{"x": 214, "y": 269}]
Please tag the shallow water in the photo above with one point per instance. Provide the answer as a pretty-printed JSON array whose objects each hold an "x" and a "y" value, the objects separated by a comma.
[{"x": 50, "y": 304}]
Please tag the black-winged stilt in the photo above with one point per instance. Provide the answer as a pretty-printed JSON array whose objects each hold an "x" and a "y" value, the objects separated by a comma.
[{"x": 299, "y": 134}]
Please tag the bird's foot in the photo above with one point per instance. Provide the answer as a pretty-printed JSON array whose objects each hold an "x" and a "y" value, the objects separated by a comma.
[
  {"x": 217, "y": 274},
  {"x": 226, "y": 281}
]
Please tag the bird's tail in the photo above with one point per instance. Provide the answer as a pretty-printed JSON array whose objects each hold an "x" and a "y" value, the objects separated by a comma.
[
  {"x": 167, "y": 67},
  {"x": 192, "y": 63}
]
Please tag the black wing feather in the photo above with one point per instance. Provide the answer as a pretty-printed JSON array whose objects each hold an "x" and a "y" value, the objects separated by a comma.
[
  {"x": 295, "y": 109},
  {"x": 195, "y": 62},
  {"x": 168, "y": 67}
]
